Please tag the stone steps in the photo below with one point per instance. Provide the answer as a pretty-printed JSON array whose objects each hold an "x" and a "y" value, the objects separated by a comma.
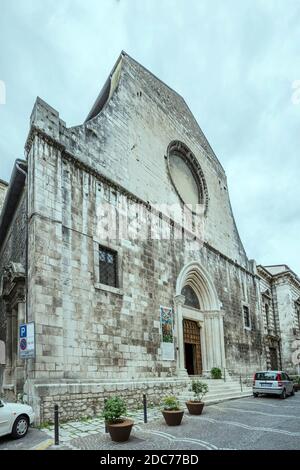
[
  {"x": 218, "y": 396},
  {"x": 219, "y": 390}
]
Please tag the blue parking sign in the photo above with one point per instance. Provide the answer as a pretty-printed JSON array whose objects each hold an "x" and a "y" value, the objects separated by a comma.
[
  {"x": 23, "y": 331},
  {"x": 27, "y": 340}
]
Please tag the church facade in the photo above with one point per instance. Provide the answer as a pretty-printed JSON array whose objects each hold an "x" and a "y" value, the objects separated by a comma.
[{"x": 118, "y": 241}]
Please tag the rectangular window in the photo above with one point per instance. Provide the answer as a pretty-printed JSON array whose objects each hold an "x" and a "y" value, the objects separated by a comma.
[
  {"x": 297, "y": 305},
  {"x": 267, "y": 315},
  {"x": 247, "y": 323},
  {"x": 108, "y": 267}
]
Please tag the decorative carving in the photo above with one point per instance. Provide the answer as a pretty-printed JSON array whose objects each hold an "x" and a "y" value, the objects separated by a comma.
[{"x": 12, "y": 287}]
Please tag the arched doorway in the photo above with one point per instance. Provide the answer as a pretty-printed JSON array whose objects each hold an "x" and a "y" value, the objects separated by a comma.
[{"x": 199, "y": 318}]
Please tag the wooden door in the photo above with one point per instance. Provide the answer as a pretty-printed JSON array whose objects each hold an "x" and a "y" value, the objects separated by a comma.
[{"x": 191, "y": 336}]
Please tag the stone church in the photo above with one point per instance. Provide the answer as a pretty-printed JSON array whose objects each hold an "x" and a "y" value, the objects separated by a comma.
[{"x": 117, "y": 239}]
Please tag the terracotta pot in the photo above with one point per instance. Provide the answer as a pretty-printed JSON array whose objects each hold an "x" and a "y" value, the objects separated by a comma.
[
  {"x": 195, "y": 407},
  {"x": 120, "y": 432},
  {"x": 173, "y": 418}
]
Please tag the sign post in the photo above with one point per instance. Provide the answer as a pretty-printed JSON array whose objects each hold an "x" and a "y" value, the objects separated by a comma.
[{"x": 27, "y": 341}]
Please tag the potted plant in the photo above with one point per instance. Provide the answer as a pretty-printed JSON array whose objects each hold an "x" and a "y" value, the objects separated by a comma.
[
  {"x": 216, "y": 373},
  {"x": 171, "y": 411},
  {"x": 199, "y": 389},
  {"x": 297, "y": 384},
  {"x": 118, "y": 427}
]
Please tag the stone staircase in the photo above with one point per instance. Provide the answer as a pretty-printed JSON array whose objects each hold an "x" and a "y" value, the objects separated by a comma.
[{"x": 219, "y": 390}]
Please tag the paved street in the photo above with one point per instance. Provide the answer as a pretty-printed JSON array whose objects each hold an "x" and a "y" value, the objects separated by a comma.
[
  {"x": 248, "y": 423},
  {"x": 34, "y": 438},
  {"x": 251, "y": 423}
]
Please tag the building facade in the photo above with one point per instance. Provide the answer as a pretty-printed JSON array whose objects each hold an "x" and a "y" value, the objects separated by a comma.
[
  {"x": 3, "y": 188},
  {"x": 117, "y": 239}
]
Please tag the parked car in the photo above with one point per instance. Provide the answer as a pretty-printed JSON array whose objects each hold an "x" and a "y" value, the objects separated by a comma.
[
  {"x": 272, "y": 382},
  {"x": 15, "y": 419}
]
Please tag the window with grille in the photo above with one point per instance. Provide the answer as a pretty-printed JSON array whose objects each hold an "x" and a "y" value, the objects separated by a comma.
[
  {"x": 108, "y": 267},
  {"x": 246, "y": 313}
]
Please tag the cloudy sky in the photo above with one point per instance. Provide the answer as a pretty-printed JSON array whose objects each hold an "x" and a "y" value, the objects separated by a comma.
[{"x": 234, "y": 61}]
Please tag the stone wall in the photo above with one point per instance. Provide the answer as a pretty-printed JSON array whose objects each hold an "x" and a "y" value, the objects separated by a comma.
[
  {"x": 127, "y": 142},
  {"x": 13, "y": 250},
  {"x": 77, "y": 401},
  {"x": 3, "y": 189},
  {"x": 287, "y": 293},
  {"x": 271, "y": 325},
  {"x": 85, "y": 330}
]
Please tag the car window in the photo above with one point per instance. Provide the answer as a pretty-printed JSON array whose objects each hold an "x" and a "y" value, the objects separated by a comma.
[
  {"x": 283, "y": 376},
  {"x": 265, "y": 376}
]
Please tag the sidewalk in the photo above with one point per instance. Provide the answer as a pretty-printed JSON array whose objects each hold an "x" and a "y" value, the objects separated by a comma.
[{"x": 92, "y": 426}]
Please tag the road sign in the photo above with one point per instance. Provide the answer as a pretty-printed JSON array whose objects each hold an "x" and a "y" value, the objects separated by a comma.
[{"x": 26, "y": 341}]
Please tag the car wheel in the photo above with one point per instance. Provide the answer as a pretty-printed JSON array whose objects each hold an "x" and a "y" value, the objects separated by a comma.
[
  {"x": 255, "y": 395},
  {"x": 20, "y": 427},
  {"x": 283, "y": 394}
]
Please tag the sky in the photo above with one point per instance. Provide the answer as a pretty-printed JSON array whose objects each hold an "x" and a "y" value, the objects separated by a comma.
[{"x": 236, "y": 63}]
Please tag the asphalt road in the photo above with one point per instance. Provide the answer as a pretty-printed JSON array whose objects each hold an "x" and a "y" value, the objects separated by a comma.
[
  {"x": 34, "y": 438},
  {"x": 248, "y": 423}
]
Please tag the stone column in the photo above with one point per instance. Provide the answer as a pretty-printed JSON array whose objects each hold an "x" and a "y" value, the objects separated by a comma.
[
  {"x": 179, "y": 302},
  {"x": 214, "y": 335},
  {"x": 8, "y": 348},
  {"x": 209, "y": 341},
  {"x": 222, "y": 313},
  {"x": 203, "y": 347}
]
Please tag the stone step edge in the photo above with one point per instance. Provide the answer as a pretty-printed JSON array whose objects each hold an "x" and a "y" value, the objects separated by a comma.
[
  {"x": 209, "y": 395},
  {"x": 215, "y": 392},
  {"x": 228, "y": 387},
  {"x": 212, "y": 401}
]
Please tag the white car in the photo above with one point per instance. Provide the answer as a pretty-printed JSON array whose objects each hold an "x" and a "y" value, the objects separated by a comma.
[
  {"x": 15, "y": 419},
  {"x": 273, "y": 382}
]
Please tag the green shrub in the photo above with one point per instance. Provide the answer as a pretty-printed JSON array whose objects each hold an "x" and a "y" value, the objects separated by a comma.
[
  {"x": 216, "y": 373},
  {"x": 114, "y": 409},
  {"x": 199, "y": 389},
  {"x": 170, "y": 403},
  {"x": 296, "y": 379}
]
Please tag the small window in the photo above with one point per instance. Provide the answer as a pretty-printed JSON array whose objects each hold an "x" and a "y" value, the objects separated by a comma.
[
  {"x": 267, "y": 314},
  {"x": 297, "y": 305},
  {"x": 108, "y": 267},
  {"x": 247, "y": 323}
]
